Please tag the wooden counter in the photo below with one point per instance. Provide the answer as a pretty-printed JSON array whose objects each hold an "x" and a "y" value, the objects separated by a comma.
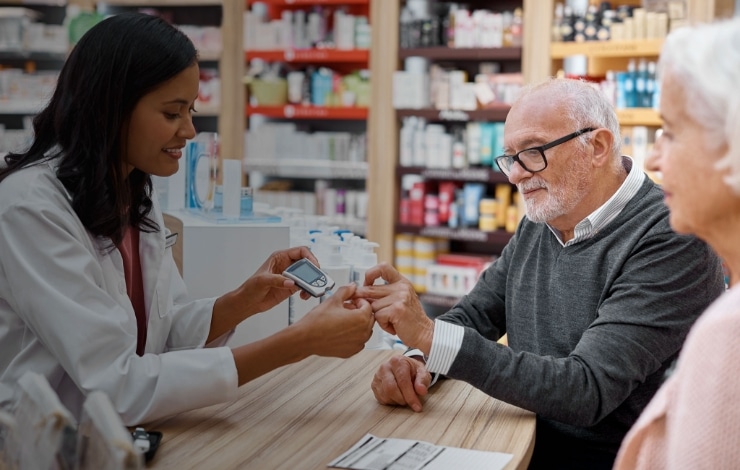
[{"x": 304, "y": 415}]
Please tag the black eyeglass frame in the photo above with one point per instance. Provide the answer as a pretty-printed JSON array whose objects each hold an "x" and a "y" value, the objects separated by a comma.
[{"x": 541, "y": 149}]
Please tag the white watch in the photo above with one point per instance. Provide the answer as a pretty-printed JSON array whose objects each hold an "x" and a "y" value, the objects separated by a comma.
[{"x": 414, "y": 352}]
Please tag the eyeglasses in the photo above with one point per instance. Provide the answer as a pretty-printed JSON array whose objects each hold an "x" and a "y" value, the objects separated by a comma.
[{"x": 533, "y": 159}]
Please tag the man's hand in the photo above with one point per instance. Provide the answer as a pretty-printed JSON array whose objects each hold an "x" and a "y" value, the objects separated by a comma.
[
  {"x": 401, "y": 381},
  {"x": 338, "y": 326},
  {"x": 397, "y": 307}
]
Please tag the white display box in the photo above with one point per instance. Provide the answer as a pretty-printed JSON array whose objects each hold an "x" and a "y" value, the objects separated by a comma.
[{"x": 215, "y": 258}]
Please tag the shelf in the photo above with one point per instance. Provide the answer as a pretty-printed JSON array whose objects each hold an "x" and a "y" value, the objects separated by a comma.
[
  {"x": 499, "y": 237},
  {"x": 21, "y": 107},
  {"x": 308, "y": 112},
  {"x": 355, "y": 225},
  {"x": 209, "y": 56},
  {"x": 303, "y": 168},
  {"x": 50, "y": 3},
  {"x": 485, "y": 175},
  {"x": 310, "y": 55},
  {"x": 451, "y": 53},
  {"x": 32, "y": 55},
  {"x": 607, "y": 49},
  {"x": 639, "y": 117},
  {"x": 206, "y": 111},
  {"x": 309, "y": 2},
  {"x": 162, "y": 3},
  {"x": 497, "y": 113}
]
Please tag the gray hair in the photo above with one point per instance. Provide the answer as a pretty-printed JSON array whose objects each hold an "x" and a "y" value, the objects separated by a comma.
[
  {"x": 705, "y": 59},
  {"x": 584, "y": 105}
]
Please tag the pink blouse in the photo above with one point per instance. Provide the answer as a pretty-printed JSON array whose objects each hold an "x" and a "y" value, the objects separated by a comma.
[
  {"x": 129, "y": 249},
  {"x": 693, "y": 422}
]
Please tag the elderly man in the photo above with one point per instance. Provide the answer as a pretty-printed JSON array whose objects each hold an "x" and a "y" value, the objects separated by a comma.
[{"x": 594, "y": 290}]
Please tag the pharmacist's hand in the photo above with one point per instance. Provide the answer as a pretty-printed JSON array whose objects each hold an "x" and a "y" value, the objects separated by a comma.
[
  {"x": 401, "y": 381},
  {"x": 397, "y": 307},
  {"x": 267, "y": 287},
  {"x": 339, "y": 326}
]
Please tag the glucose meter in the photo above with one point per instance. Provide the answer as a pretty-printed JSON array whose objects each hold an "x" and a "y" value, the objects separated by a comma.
[{"x": 309, "y": 277}]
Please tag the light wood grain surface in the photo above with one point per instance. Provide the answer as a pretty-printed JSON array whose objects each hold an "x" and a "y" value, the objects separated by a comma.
[{"x": 304, "y": 415}]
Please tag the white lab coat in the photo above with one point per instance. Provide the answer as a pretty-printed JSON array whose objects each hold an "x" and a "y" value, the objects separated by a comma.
[{"x": 64, "y": 311}]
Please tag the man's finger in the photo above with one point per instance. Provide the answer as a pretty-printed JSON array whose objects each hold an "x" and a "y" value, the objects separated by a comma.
[
  {"x": 403, "y": 373},
  {"x": 384, "y": 270}
]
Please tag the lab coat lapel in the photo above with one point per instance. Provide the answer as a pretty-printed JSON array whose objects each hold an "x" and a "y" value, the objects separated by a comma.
[{"x": 151, "y": 253}]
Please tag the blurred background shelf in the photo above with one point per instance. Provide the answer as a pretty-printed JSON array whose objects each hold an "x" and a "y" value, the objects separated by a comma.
[
  {"x": 310, "y": 55},
  {"x": 452, "y": 53},
  {"x": 303, "y": 168},
  {"x": 308, "y": 112},
  {"x": 494, "y": 113}
]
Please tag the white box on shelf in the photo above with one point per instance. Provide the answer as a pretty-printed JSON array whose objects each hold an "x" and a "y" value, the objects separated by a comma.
[{"x": 450, "y": 280}]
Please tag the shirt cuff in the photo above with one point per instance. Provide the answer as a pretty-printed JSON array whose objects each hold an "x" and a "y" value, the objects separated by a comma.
[{"x": 446, "y": 343}]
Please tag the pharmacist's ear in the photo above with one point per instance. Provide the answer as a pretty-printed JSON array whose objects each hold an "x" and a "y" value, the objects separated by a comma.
[{"x": 601, "y": 142}]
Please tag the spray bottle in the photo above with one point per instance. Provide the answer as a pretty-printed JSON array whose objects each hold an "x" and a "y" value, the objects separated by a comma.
[{"x": 366, "y": 259}]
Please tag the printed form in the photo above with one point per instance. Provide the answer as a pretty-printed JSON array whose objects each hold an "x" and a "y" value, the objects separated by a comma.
[{"x": 375, "y": 453}]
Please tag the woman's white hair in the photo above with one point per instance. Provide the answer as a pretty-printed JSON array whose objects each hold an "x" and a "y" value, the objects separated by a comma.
[{"x": 705, "y": 60}]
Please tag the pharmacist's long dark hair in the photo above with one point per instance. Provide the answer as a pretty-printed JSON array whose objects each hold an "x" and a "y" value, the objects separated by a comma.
[{"x": 118, "y": 61}]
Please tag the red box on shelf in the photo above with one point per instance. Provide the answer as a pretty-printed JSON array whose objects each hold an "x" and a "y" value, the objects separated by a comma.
[
  {"x": 446, "y": 197},
  {"x": 479, "y": 262},
  {"x": 416, "y": 202}
]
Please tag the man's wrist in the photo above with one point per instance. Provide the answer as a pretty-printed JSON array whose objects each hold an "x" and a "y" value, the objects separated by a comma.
[
  {"x": 418, "y": 354},
  {"x": 414, "y": 352}
]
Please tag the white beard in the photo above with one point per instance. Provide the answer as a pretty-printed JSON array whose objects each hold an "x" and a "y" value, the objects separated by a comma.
[{"x": 561, "y": 198}]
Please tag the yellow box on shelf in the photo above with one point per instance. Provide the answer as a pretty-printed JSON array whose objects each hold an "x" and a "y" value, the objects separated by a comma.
[
  {"x": 639, "y": 117},
  {"x": 630, "y": 48}
]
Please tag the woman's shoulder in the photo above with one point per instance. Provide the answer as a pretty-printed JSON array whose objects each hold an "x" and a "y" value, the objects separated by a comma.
[
  {"x": 32, "y": 185},
  {"x": 719, "y": 326}
]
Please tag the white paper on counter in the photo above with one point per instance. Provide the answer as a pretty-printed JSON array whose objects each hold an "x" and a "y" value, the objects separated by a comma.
[{"x": 375, "y": 453}]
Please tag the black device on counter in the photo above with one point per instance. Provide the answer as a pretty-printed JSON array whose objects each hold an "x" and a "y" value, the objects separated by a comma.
[{"x": 147, "y": 442}]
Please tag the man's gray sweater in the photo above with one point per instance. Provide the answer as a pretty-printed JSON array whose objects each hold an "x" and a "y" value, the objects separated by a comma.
[{"x": 592, "y": 327}]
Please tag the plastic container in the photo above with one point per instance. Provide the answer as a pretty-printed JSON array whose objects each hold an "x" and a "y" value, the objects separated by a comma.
[
  {"x": 268, "y": 92},
  {"x": 13, "y": 22}
]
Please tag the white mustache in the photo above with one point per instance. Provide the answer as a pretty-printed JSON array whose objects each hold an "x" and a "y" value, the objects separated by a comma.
[{"x": 531, "y": 186}]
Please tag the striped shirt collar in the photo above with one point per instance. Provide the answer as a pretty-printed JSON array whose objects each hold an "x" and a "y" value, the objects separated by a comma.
[{"x": 608, "y": 211}]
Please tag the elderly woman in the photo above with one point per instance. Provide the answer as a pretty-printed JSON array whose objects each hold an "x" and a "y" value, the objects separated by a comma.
[{"x": 694, "y": 419}]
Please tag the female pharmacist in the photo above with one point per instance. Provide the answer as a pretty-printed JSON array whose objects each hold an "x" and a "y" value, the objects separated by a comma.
[
  {"x": 89, "y": 294},
  {"x": 694, "y": 419}
]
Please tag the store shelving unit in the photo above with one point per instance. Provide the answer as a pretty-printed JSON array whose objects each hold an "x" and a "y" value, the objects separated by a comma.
[
  {"x": 353, "y": 175},
  {"x": 384, "y": 120},
  {"x": 15, "y": 112},
  {"x": 543, "y": 58},
  {"x": 462, "y": 240},
  {"x": 613, "y": 55},
  {"x": 536, "y": 65}
]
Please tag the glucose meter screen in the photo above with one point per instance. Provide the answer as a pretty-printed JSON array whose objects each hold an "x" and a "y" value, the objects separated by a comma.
[{"x": 306, "y": 272}]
